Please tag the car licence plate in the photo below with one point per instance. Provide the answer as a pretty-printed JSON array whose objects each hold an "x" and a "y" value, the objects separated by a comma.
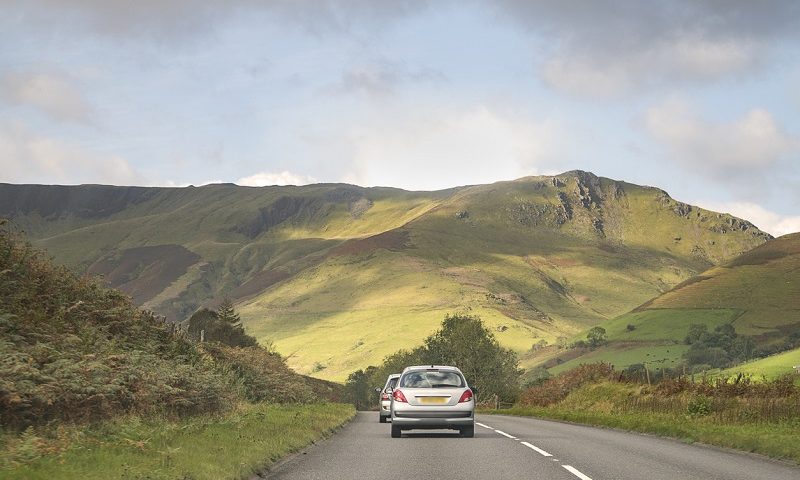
[{"x": 432, "y": 400}]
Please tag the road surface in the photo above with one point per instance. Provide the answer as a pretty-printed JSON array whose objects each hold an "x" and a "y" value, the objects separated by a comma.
[{"x": 518, "y": 448}]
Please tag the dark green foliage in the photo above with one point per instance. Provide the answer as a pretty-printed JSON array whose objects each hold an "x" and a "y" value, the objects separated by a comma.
[
  {"x": 630, "y": 327},
  {"x": 359, "y": 388},
  {"x": 464, "y": 342},
  {"x": 718, "y": 349},
  {"x": 696, "y": 331},
  {"x": 699, "y": 406},
  {"x": 227, "y": 313},
  {"x": 536, "y": 376},
  {"x": 209, "y": 326},
  {"x": 596, "y": 337}
]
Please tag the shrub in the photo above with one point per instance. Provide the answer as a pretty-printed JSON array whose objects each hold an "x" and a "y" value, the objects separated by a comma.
[
  {"x": 557, "y": 388},
  {"x": 699, "y": 406},
  {"x": 596, "y": 337},
  {"x": 262, "y": 375}
]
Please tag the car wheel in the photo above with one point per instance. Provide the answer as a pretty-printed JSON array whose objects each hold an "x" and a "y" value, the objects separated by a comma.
[
  {"x": 468, "y": 432},
  {"x": 396, "y": 432},
  {"x": 382, "y": 418}
]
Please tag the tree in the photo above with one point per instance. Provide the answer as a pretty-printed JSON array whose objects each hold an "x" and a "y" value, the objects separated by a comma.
[
  {"x": 206, "y": 325},
  {"x": 596, "y": 337},
  {"x": 696, "y": 332},
  {"x": 227, "y": 313},
  {"x": 465, "y": 342},
  {"x": 358, "y": 388}
]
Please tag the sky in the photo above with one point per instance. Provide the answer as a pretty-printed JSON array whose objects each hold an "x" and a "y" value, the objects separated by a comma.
[{"x": 699, "y": 98}]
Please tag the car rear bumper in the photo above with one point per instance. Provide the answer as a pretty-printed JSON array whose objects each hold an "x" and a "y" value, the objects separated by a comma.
[{"x": 432, "y": 420}]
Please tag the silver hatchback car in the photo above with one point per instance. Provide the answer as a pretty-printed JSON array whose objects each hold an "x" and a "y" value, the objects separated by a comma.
[
  {"x": 386, "y": 396},
  {"x": 433, "y": 397}
]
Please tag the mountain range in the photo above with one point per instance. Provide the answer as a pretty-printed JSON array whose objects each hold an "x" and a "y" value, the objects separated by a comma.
[{"x": 337, "y": 276}]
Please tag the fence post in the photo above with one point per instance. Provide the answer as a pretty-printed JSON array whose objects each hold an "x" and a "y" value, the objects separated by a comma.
[
  {"x": 647, "y": 372},
  {"x": 496, "y": 401}
]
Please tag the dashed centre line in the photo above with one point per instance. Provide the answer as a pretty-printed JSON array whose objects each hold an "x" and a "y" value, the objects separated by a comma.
[
  {"x": 569, "y": 468},
  {"x": 536, "y": 449},
  {"x": 576, "y": 472}
]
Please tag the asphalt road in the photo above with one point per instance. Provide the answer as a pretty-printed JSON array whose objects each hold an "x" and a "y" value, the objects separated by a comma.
[{"x": 518, "y": 448}]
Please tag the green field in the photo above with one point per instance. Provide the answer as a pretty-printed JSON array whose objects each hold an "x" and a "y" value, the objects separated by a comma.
[
  {"x": 770, "y": 367},
  {"x": 235, "y": 445},
  {"x": 654, "y": 356}
]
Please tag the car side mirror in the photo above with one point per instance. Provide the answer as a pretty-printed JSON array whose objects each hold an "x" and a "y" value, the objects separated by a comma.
[{"x": 378, "y": 389}]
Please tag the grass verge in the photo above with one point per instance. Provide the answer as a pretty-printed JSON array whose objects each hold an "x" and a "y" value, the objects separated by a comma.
[
  {"x": 233, "y": 445},
  {"x": 777, "y": 439}
]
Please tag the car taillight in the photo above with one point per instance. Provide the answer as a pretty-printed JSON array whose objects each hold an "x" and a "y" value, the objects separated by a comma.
[
  {"x": 466, "y": 396},
  {"x": 385, "y": 396},
  {"x": 399, "y": 397}
]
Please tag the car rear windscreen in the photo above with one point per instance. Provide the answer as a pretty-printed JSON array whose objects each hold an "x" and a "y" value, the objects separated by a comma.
[
  {"x": 431, "y": 379},
  {"x": 391, "y": 383}
]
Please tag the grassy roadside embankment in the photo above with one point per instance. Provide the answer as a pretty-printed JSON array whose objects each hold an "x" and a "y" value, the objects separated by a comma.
[
  {"x": 762, "y": 418},
  {"x": 233, "y": 445},
  {"x": 92, "y": 387}
]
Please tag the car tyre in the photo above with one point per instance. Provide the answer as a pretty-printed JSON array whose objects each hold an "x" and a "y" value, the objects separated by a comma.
[
  {"x": 468, "y": 432},
  {"x": 396, "y": 432},
  {"x": 382, "y": 418}
]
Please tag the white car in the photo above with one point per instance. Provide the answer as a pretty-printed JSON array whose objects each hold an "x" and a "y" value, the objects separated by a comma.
[
  {"x": 386, "y": 397},
  {"x": 433, "y": 397}
]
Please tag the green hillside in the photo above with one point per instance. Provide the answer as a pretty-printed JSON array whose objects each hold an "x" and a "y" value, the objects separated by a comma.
[
  {"x": 338, "y": 276},
  {"x": 757, "y": 293},
  {"x": 771, "y": 367}
]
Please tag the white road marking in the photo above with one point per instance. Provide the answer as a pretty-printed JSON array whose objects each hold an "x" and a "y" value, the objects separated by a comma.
[
  {"x": 484, "y": 426},
  {"x": 536, "y": 449},
  {"x": 576, "y": 472},
  {"x": 505, "y": 434}
]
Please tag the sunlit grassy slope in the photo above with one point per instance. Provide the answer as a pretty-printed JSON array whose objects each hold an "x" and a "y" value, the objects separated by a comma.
[
  {"x": 757, "y": 292},
  {"x": 770, "y": 367},
  {"x": 339, "y": 276}
]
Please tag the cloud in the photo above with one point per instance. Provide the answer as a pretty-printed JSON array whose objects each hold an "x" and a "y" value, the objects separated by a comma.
[
  {"x": 749, "y": 143},
  {"x": 29, "y": 158},
  {"x": 766, "y": 220},
  {"x": 381, "y": 78},
  {"x": 598, "y": 48},
  {"x": 263, "y": 179},
  {"x": 181, "y": 19},
  {"x": 53, "y": 94},
  {"x": 606, "y": 48},
  {"x": 687, "y": 58},
  {"x": 440, "y": 148}
]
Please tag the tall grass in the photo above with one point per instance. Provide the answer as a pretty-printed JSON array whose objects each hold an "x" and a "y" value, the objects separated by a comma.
[
  {"x": 735, "y": 412},
  {"x": 237, "y": 444}
]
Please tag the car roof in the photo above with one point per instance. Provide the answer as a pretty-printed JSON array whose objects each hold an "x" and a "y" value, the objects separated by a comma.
[
  {"x": 436, "y": 367},
  {"x": 394, "y": 375}
]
